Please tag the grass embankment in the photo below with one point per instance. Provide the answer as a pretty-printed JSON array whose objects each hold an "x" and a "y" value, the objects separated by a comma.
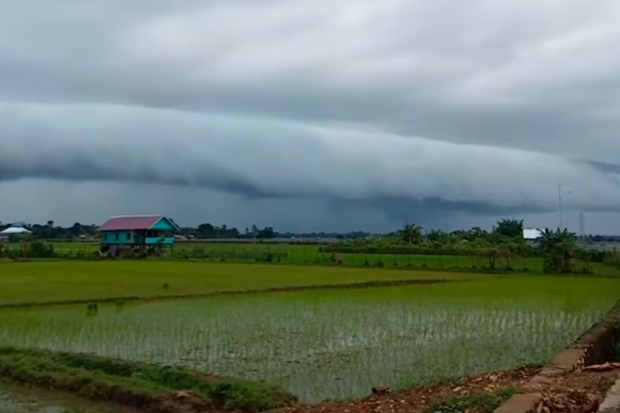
[
  {"x": 139, "y": 385},
  {"x": 296, "y": 254},
  {"x": 37, "y": 282}
]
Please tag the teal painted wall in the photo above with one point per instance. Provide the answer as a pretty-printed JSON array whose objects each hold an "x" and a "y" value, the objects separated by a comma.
[
  {"x": 131, "y": 238},
  {"x": 163, "y": 225},
  {"x": 119, "y": 237},
  {"x": 155, "y": 240}
]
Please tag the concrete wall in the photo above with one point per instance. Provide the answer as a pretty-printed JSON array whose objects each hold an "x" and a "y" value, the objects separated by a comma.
[{"x": 594, "y": 346}]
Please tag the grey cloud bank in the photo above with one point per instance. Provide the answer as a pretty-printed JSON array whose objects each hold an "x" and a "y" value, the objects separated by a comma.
[
  {"x": 266, "y": 158},
  {"x": 311, "y": 108}
]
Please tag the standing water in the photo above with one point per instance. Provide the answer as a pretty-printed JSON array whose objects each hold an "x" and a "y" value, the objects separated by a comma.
[{"x": 18, "y": 400}]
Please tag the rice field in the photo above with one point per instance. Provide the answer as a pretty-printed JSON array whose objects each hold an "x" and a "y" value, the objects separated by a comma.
[
  {"x": 45, "y": 281},
  {"x": 310, "y": 255},
  {"x": 334, "y": 344}
]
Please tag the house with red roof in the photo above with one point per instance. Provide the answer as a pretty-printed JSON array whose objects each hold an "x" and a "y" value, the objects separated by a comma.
[{"x": 138, "y": 230}]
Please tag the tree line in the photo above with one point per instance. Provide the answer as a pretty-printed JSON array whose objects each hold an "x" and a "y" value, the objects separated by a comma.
[
  {"x": 77, "y": 231},
  {"x": 505, "y": 231},
  {"x": 558, "y": 248}
]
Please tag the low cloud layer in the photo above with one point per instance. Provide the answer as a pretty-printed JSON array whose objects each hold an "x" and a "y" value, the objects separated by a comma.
[
  {"x": 274, "y": 159},
  {"x": 395, "y": 106}
]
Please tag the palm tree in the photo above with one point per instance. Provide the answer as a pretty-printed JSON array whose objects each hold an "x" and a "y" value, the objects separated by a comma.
[
  {"x": 411, "y": 234},
  {"x": 559, "y": 247}
]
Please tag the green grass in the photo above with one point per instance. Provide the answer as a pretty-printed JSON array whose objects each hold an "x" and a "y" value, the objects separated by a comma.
[
  {"x": 72, "y": 280},
  {"x": 331, "y": 343},
  {"x": 296, "y": 254},
  {"x": 477, "y": 403},
  {"x": 138, "y": 385},
  {"x": 309, "y": 254}
]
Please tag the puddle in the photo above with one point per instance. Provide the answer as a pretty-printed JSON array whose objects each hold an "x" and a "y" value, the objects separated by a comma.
[{"x": 19, "y": 400}]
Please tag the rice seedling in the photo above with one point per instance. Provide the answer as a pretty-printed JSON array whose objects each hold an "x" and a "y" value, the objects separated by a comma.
[
  {"x": 335, "y": 344},
  {"x": 92, "y": 280}
]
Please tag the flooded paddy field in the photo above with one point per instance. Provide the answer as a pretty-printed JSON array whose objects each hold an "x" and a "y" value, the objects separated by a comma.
[{"x": 333, "y": 344}]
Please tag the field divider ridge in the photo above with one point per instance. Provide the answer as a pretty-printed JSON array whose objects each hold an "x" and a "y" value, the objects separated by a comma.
[{"x": 221, "y": 293}]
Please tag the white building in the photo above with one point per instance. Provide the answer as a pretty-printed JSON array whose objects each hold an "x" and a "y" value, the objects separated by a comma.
[
  {"x": 532, "y": 235},
  {"x": 14, "y": 231}
]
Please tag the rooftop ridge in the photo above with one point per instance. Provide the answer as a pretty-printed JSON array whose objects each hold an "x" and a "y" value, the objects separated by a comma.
[{"x": 137, "y": 216}]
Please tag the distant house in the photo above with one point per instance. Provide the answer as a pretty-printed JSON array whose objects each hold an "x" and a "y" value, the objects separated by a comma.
[
  {"x": 14, "y": 231},
  {"x": 532, "y": 235},
  {"x": 139, "y": 230}
]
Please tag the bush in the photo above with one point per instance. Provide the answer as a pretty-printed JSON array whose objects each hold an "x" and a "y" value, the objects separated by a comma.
[{"x": 35, "y": 249}]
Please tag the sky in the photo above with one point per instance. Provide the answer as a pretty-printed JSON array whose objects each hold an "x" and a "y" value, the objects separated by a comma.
[{"x": 312, "y": 115}]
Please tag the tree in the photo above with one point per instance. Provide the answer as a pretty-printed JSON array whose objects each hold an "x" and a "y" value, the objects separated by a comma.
[
  {"x": 559, "y": 248},
  {"x": 437, "y": 235},
  {"x": 206, "y": 230},
  {"x": 50, "y": 229},
  {"x": 266, "y": 233},
  {"x": 76, "y": 230},
  {"x": 411, "y": 234},
  {"x": 511, "y": 228}
]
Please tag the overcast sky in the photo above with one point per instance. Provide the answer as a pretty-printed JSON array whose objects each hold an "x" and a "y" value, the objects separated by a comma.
[{"x": 311, "y": 115}]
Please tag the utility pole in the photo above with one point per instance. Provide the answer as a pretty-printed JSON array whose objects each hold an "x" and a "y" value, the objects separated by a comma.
[
  {"x": 560, "y": 206},
  {"x": 582, "y": 224}
]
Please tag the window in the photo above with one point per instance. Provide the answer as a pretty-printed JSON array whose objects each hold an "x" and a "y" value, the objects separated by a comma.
[
  {"x": 116, "y": 236},
  {"x": 128, "y": 236}
]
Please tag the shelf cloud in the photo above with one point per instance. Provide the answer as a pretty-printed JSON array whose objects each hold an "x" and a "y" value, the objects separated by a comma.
[
  {"x": 484, "y": 107},
  {"x": 258, "y": 157}
]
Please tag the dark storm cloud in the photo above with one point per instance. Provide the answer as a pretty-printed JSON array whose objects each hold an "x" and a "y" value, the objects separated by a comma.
[
  {"x": 480, "y": 106},
  {"x": 606, "y": 167},
  {"x": 267, "y": 158}
]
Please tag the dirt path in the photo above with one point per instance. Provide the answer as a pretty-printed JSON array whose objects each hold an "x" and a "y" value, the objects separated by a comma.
[
  {"x": 577, "y": 392},
  {"x": 417, "y": 400}
]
